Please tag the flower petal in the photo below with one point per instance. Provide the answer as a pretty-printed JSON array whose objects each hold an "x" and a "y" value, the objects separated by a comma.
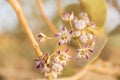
[
  {"x": 91, "y": 50},
  {"x": 87, "y": 56},
  {"x": 78, "y": 50},
  {"x": 37, "y": 66},
  {"x": 83, "y": 38},
  {"x": 78, "y": 56},
  {"x": 70, "y": 32},
  {"x": 66, "y": 51},
  {"x": 85, "y": 45},
  {"x": 71, "y": 16},
  {"x": 57, "y": 35},
  {"x": 60, "y": 42},
  {"x": 69, "y": 57},
  {"x": 68, "y": 41},
  {"x": 64, "y": 29},
  {"x": 59, "y": 52},
  {"x": 81, "y": 24}
]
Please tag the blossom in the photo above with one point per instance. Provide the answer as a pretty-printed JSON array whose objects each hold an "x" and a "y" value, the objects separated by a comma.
[
  {"x": 62, "y": 57},
  {"x": 83, "y": 37},
  {"x": 76, "y": 34},
  {"x": 84, "y": 52},
  {"x": 87, "y": 37},
  {"x": 80, "y": 25},
  {"x": 42, "y": 63},
  {"x": 90, "y": 36},
  {"x": 84, "y": 16},
  {"x": 68, "y": 17},
  {"x": 59, "y": 62},
  {"x": 57, "y": 67},
  {"x": 64, "y": 36}
]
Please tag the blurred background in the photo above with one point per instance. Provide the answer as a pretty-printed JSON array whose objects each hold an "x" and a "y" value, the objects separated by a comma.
[{"x": 16, "y": 52}]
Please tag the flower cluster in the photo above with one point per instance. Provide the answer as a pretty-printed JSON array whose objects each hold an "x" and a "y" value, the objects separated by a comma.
[
  {"x": 53, "y": 65},
  {"x": 81, "y": 30},
  {"x": 42, "y": 63}
]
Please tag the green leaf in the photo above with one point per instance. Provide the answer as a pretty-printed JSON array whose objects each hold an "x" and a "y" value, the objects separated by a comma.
[{"x": 96, "y": 9}]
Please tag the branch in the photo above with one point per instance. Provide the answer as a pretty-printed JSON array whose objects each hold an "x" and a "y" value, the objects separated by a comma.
[
  {"x": 45, "y": 18},
  {"x": 19, "y": 12}
]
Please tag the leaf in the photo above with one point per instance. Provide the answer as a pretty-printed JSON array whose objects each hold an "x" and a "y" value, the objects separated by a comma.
[{"x": 96, "y": 9}]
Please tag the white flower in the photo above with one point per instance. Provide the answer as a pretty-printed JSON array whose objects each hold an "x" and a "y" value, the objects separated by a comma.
[
  {"x": 68, "y": 17},
  {"x": 45, "y": 69},
  {"x": 90, "y": 36},
  {"x": 83, "y": 37},
  {"x": 41, "y": 63},
  {"x": 57, "y": 67},
  {"x": 84, "y": 52},
  {"x": 63, "y": 55},
  {"x": 65, "y": 36},
  {"x": 76, "y": 34},
  {"x": 84, "y": 16},
  {"x": 80, "y": 25}
]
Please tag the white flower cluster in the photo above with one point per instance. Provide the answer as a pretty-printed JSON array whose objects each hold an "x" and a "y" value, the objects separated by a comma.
[
  {"x": 53, "y": 65},
  {"x": 80, "y": 31}
]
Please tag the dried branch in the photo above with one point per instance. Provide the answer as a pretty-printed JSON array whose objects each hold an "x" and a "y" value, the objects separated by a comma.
[
  {"x": 19, "y": 12},
  {"x": 45, "y": 18}
]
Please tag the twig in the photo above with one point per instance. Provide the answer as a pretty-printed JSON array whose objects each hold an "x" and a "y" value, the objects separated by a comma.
[
  {"x": 45, "y": 18},
  {"x": 19, "y": 12}
]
